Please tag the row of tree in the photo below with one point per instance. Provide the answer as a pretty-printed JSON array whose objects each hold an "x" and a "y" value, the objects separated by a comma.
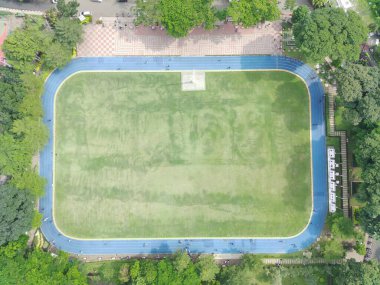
[
  {"x": 181, "y": 269},
  {"x": 179, "y": 17},
  {"x": 34, "y": 48},
  {"x": 359, "y": 93}
]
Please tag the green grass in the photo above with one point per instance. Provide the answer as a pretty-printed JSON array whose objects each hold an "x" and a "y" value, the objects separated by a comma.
[{"x": 137, "y": 157}]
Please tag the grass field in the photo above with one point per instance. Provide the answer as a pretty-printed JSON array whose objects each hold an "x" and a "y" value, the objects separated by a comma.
[{"x": 137, "y": 157}]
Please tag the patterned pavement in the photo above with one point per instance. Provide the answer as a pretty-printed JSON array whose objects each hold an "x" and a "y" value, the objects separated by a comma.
[{"x": 118, "y": 37}]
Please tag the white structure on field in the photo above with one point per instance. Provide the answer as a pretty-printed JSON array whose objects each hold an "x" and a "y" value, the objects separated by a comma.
[{"x": 193, "y": 80}]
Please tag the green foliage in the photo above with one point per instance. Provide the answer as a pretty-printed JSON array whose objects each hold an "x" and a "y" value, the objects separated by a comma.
[
  {"x": 352, "y": 273},
  {"x": 249, "y": 271},
  {"x": 207, "y": 268},
  {"x": 251, "y": 12},
  {"x": 290, "y": 4},
  {"x": 359, "y": 89},
  {"x": 13, "y": 248},
  {"x": 12, "y": 94},
  {"x": 148, "y": 12},
  {"x": 340, "y": 226},
  {"x": 332, "y": 249},
  {"x": 16, "y": 212},
  {"x": 319, "y": 3},
  {"x": 37, "y": 220},
  {"x": 367, "y": 142},
  {"x": 34, "y": 45},
  {"x": 67, "y": 10},
  {"x": 51, "y": 16},
  {"x": 56, "y": 56},
  {"x": 124, "y": 273},
  {"x": 38, "y": 267},
  {"x": 300, "y": 14},
  {"x": 68, "y": 32},
  {"x": 221, "y": 15},
  {"x": 330, "y": 32},
  {"x": 181, "y": 260},
  {"x": 180, "y": 16}
]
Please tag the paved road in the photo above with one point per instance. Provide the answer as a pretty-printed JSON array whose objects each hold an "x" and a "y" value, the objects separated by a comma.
[
  {"x": 38, "y": 5},
  {"x": 210, "y": 245},
  {"x": 107, "y": 8}
]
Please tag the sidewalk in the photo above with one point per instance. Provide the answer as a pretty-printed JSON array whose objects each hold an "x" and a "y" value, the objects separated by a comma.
[{"x": 118, "y": 38}]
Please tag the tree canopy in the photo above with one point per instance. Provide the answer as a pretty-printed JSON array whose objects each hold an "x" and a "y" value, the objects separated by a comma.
[
  {"x": 16, "y": 213},
  {"x": 330, "y": 32},
  {"x": 12, "y": 95},
  {"x": 38, "y": 268},
  {"x": 67, "y": 10},
  {"x": 68, "y": 32},
  {"x": 359, "y": 89},
  {"x": 181, "y": 16},
  {"x": 251, "y": 12}
]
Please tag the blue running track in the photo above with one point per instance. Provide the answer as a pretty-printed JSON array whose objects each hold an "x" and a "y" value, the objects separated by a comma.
[{"x": 227, "y": 246}]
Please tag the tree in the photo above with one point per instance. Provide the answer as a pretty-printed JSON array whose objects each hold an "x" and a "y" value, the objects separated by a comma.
[
  {"x": 340, "y": 226},
  {"x": 67, "y": 10},
  {"x": 57, "y": 55},
  {"x": 352, "y": 273},
  {"x": 38, "y": 267},
  {"x": 14, "y": 156},
  {"x": 180, "y": 16},
  {"x": 51, "y": 16},
  {"x": 332, "y": 249},
  {"x": 330, "y": 32},
  {"x": 12, "y": 95},
  {"x": 135, "y": 270},
  {"x": 181, "y": 260},
  {"x": 319, "y": 3},
  {"x": 32, "y": 132},
  {"x": 13, "y": 248},
  {"x": 207, "y": 268},
  {"x": 251, "y": 12},
  {"x": 16, "y": 213},
  {"x": 290, "y": 4},
  {"x": 25, "y": 45},
  {"x": 124, "y": 273},
  {"x": 148, "y": 12},
  {"x": 300, "y": 14},
  {"x": 359, "y": 87},
  {"x": 68, "y": 32}
]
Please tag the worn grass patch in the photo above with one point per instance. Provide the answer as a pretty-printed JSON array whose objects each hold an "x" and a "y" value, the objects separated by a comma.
[{"x": 136, "y": 157}]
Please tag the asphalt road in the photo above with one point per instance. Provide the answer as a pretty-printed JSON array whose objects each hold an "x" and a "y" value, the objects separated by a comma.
[{"x": 106, "y": 8}]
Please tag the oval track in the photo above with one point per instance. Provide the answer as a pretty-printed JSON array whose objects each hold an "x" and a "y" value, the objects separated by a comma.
[{"x": 227, "y": 246}]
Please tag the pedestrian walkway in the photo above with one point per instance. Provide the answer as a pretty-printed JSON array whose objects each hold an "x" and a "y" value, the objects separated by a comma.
[
  {"x": 300, "y": 261},
  {"x": 331, "y": 90},
  {"x": 22, "y": 11},
  {"x": 118, "y": 37}
]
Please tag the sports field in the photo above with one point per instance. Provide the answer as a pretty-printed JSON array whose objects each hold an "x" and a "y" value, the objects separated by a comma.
[{"x": 137, "y": 157}]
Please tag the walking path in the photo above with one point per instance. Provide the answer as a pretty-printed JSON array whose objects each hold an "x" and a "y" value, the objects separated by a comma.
[
  {"x": 28, "y": 12},
  {"x": 300, "y": 261},
  {"x": 343, "y": 148},
  {"x": 119, "y": 37}
]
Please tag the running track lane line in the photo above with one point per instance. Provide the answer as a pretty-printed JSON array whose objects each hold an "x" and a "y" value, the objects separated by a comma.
[{"x": 209, "y": 245}]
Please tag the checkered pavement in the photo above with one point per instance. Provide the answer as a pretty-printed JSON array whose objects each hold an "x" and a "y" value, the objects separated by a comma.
[{"x": 110, "y": 40}]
